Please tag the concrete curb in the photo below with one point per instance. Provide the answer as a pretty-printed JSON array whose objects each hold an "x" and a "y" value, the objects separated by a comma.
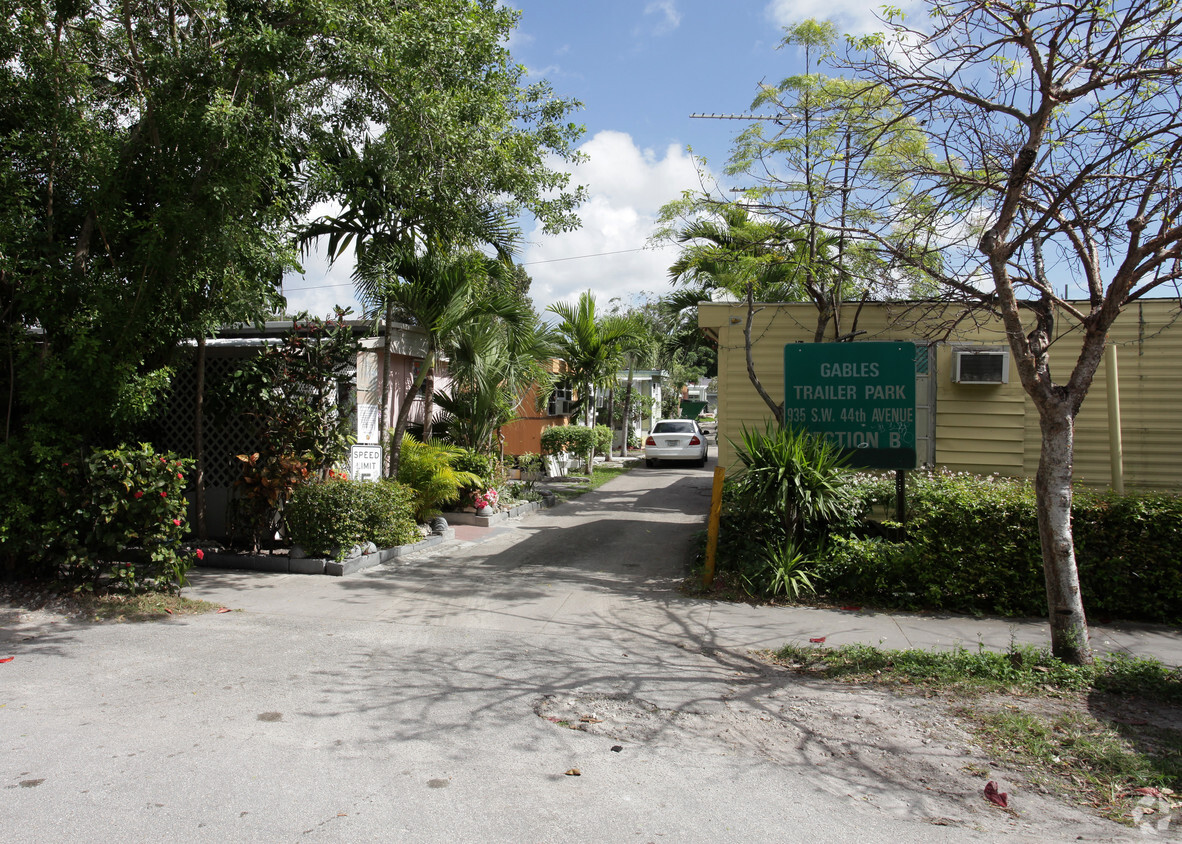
[
  {"x": 284, "y": 564},
  {"x": 462, "y": 518}
]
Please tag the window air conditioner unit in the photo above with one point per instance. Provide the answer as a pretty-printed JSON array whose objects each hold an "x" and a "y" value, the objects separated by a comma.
[{"x": 980, "y": 367}]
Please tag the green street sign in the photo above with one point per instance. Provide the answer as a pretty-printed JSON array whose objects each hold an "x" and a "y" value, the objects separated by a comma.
[{"x": 861, "y": 396}]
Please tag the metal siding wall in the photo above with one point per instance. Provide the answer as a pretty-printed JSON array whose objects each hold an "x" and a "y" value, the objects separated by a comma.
[
  {"x": 1149, "y": 348},
  {"x": 986, "y": 428},
  {"x": 979, "y": 427}
]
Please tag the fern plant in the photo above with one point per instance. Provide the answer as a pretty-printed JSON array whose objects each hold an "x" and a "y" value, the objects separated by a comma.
[{"x": 428, "y": 468}]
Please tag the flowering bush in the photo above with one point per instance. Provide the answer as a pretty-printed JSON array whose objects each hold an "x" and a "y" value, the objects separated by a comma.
[
  {"x": 487, "y": 498},
  {"x": 128, "y": 521}
]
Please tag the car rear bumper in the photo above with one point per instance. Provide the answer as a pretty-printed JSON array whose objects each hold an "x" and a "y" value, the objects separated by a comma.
[{"x": 691, "y": 453}]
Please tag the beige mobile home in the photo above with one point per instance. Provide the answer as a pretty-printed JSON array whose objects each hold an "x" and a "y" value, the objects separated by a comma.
[{"x": 972, "y": 413}]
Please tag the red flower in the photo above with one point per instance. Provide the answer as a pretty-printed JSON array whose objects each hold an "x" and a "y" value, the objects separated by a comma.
[
  {"x": 179, "y": 476},
  {"x": 200, "y": 554},
  {"x": 164, "y": 495},
  {"x": 65, "y": 464},
  {"x": 139, "y": 493},
  {"x": 176, "y": 522}
]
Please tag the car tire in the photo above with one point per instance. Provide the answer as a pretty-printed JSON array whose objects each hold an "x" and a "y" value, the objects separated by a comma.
[
  {"x": 702, "y": 461},
  {"x": 649, "y": 463}
]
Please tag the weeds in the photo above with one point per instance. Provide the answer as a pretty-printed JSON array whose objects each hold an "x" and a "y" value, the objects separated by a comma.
[
  {"x": 1020, "y": 669},
  {"x": 1061, "y": 725}
]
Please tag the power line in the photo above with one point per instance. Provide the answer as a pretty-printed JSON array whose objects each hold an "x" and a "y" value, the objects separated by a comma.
[
  {"x": 526, "y": 264},
  {"x": 579, "y": 257}
]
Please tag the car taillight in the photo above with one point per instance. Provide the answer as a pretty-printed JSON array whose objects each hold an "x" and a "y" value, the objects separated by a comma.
[
  {"x": 650, "y": 441},
  {"x": 695, "y": 440}
]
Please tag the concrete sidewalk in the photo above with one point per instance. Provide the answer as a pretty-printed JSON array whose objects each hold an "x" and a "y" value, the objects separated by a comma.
[{"x": 467, "y": 584}]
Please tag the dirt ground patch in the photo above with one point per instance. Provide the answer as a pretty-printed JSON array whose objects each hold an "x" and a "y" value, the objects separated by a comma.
[{"x": 906, "y": 755}]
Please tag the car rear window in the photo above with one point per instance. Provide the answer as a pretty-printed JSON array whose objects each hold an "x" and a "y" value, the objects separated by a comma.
[{"x": 673, "y": 428}]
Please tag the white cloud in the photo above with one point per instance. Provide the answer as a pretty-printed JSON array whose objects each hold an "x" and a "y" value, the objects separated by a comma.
[
  {"x": 609, "y": 254},
  {"x": 670, "y": 17},
  {"x": 542, "y": 72},
  {"x": 855, "y": 17}
]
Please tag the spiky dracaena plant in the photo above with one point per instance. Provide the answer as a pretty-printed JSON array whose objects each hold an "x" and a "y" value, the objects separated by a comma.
[{"x": 794, "y": 477}]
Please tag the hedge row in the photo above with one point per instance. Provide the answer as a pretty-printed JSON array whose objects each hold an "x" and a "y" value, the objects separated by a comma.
[
  {"x": 971, "y": 545},
  {"x": 330, "y": 517}
]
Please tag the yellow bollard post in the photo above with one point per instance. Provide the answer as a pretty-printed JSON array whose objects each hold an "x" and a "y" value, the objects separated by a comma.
[{"x": 712, "y": 527}]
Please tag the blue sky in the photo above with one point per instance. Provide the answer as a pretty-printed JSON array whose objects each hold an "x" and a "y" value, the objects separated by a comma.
[{"x": 640, "y": 68}]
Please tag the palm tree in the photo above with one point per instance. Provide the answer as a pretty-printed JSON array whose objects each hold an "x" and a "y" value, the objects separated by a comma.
[
  {"x": 440, "y": 292},
  {"x": 493, "y": 363},
  {"x": 592, "y": 347},
  {"x": 381, "y": 223},
  {"x": 748, "y": 258}
]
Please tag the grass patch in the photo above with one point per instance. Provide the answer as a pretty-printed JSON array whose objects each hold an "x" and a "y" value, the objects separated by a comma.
[
  {"x": 1021, "y": 669},
  {"x": 599, "y": 476},
  {"x": 85, "y": 606},
  {"x": 1066, "y": 727},
  {"x": 1087, "y": 758},
  {"x": 146, "y": 607}
]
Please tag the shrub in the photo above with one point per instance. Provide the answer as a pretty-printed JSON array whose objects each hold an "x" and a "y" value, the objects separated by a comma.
[
  {"x": 329, "y": 517},
  {"x": 127, "y": 522},
  {"x": 483, "y": 466},
  {"x": 603, "y": 440},
  {"x": 573, "y": 439},
  {"x": 971, "y": 544},
  {"x": 36, "y": 510},
  {"x": 262, "y": 491},
  {"x": 430, "y": 470},
  {"x": 794, "y": 477}
]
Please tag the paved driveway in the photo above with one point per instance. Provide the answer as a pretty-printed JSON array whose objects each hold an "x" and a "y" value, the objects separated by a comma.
[{"x": 452, "y": 697}]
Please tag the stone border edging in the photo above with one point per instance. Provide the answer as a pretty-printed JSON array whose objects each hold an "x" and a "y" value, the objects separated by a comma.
[{"x": 283, "y": 564}]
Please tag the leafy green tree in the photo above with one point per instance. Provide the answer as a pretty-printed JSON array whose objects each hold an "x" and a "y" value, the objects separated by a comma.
[
  {"x": 462, "y": 147},
  {"x": 1059, "y": 127},
  {"x": 822, "y": 154},
  {"x": 155, "y": 159},
  {"x": 142, "y": 155}
]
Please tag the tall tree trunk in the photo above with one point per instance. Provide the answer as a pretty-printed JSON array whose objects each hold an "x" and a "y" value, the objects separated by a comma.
[
  {"x": 404, "y": 415},
  {"x": 1057, "y": 407},
  {"x": 384, "y": 387},
  {"x": 628, "y": 405},
  {"x": 199, "y": 441},
  {"x": 777, "y": 409},
  {"x": 1069, "y": 626},
  {"x": 428, "y": 403}
]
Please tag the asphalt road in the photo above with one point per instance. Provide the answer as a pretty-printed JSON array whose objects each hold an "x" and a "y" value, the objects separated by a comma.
[{"x": 446, "y": 698}]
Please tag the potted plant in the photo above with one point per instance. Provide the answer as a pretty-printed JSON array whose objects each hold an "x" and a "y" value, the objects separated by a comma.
[{"x": 486, "y": 502}]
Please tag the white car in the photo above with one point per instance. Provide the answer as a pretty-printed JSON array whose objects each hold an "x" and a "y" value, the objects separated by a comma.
[{"x": 676, "y": 439}]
